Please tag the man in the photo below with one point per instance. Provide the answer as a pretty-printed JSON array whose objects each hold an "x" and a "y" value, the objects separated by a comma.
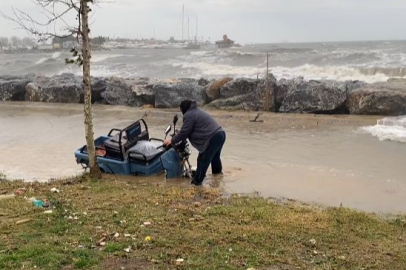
[{"x": 205, "y": 135}]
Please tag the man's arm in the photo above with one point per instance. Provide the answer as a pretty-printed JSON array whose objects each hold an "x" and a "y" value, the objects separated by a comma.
[{"x": 187, "y": 128}]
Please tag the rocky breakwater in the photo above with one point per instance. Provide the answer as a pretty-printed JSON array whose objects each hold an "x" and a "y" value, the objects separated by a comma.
[
  {"x": 387, "y": 98},
  {"x": 65, "y": 88},
  {"x": 135, "y": 92},
  {"x": 324, "y": 97},
  {"x": 318, "y": 97},
  {"x": 14, "y": 87},
  {"x": 292, "y": 96}
]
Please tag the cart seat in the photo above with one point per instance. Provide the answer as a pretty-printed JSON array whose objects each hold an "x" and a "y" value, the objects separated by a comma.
[
  {"x": 114, "y": 142},
  {"x": 116, "y": 146},
  {"x": 145, "y": 151}
]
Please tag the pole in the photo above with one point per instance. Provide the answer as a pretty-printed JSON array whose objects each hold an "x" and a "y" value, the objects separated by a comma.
[
  {"x": 267, "y": 93},
  {"x": 188, "y": 29}
]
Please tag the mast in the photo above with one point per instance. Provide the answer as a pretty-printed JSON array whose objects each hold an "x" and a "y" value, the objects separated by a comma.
[
  {"x": 188, "y": 29},
  {"x": 183, "y": 18},
  {"x": 197, "y": 17}
]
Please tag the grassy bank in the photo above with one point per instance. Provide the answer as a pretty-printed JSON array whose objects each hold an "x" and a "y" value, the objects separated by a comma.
[{"x": 119, "y": 224}]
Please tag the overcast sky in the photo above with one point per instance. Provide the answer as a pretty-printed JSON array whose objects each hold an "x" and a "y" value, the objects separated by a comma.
[{"x": 245, "y": 21}]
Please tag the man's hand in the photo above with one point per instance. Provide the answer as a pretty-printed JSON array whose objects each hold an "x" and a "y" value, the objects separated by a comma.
[{"x": 168, "y": 142}]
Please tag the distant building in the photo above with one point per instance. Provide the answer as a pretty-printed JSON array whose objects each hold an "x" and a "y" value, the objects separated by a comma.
[
  {"x": 225, "y": 43},
  {"x": 45, "y": 47},
  {"x": 69, "y": 44},
  {"x": 64, "y": 43}
]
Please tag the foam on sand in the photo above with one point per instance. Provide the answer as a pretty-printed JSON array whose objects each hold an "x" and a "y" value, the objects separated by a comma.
[{"x": 389, "y": 129}]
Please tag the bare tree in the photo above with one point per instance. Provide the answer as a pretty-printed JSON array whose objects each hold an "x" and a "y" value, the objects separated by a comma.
[
  {"x": 15, "y": 41},
  {"x": 58, "y": 14},
  {"x": 26, "y": 41},
  {"x": 3, "y": 42}
]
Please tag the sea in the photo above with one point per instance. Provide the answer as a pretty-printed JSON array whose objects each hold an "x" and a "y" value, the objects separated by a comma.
[
  {"x": 369, "y": 61},
  {"x": 373, "y": 61}
]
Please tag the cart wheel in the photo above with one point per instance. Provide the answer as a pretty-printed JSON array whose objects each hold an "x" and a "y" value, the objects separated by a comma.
[{"x": 84, "y": 166}]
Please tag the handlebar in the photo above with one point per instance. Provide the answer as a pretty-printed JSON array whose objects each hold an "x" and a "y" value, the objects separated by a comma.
[{"x": 164, "y": 146}]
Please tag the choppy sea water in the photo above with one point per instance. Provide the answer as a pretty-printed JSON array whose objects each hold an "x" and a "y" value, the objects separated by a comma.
[{"x": 366, "y": 61}]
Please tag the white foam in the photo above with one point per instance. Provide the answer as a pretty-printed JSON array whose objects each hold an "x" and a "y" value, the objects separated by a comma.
[
  {"x": 213, "y": 70},
  {"x": 338, "y": 73},
  {"x": 42, "y": 60},
  {"x": 104, "y": 71},
  {"x": 103, "y": 57},
  {"x": 392, "y": 129},
  {"x": 385, "y": 133},
  {"x": 393, "y": 121},
  {"x": 200, "y": 53},
  {"x": 56, "y": 55},
  {"x": 53, "y": 56}
]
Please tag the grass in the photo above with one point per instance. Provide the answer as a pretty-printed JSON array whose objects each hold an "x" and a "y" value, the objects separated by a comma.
[{"x": 93, "y": 222}]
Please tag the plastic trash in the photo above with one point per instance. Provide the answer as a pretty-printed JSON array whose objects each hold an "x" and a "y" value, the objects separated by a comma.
[
  {"x": 8, "y": 196},
  {"x": 46, "y": 204},
  {"x": 55, "y": 190},
  {"x": 179, "y": 261},
  {"x": 23, "y": 221},
  {"x": 38, "y": 203}
]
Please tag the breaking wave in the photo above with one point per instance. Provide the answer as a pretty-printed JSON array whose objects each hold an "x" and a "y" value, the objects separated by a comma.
[
  {"x": 55, "y": 55},
  {"x": 102, "y": 57},
  {"x": 390, "y": 72},
  {"x": 338, "y": 73},
  {"x": 389, "y": 129}
]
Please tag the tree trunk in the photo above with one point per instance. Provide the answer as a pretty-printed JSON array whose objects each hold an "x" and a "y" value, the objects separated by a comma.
[{"x": 94, "y": 167}]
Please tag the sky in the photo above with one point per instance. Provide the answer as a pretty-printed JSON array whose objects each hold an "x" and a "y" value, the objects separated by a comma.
[{"x": 245, "y": 21}]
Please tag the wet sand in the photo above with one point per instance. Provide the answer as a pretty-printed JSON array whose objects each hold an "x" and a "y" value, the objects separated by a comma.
[{"x": 311, "y": 158}]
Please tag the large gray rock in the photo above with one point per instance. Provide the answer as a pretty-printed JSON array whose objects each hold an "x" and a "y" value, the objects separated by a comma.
[
  {"x": 240, "y": 86},
  {"x": 12, "y": 88},
  {"x": 313, "y": 96},
  {"x": 203, "y": 82},
  {"x": 65, "y": 88},
  {"x": 213, "y": 88},
  {"x": 244, "y": 94},
  {"x": 248, "y": 102},
  {"x": 129, "y": 92},
  {"x": 99, "y": 85},
  {"x": 388, "y": 98},
  {"x": 170, "y": 95}
]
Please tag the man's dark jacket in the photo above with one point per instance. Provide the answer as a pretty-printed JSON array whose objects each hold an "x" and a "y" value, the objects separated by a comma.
[{"x": 199, "y": 127}]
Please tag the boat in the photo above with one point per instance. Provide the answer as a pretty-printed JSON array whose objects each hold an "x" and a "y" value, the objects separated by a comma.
[{"x": 193, "y": 46}]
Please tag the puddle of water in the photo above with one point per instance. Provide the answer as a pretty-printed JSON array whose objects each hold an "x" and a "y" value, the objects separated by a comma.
[{"x": 321, "y": 159}]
